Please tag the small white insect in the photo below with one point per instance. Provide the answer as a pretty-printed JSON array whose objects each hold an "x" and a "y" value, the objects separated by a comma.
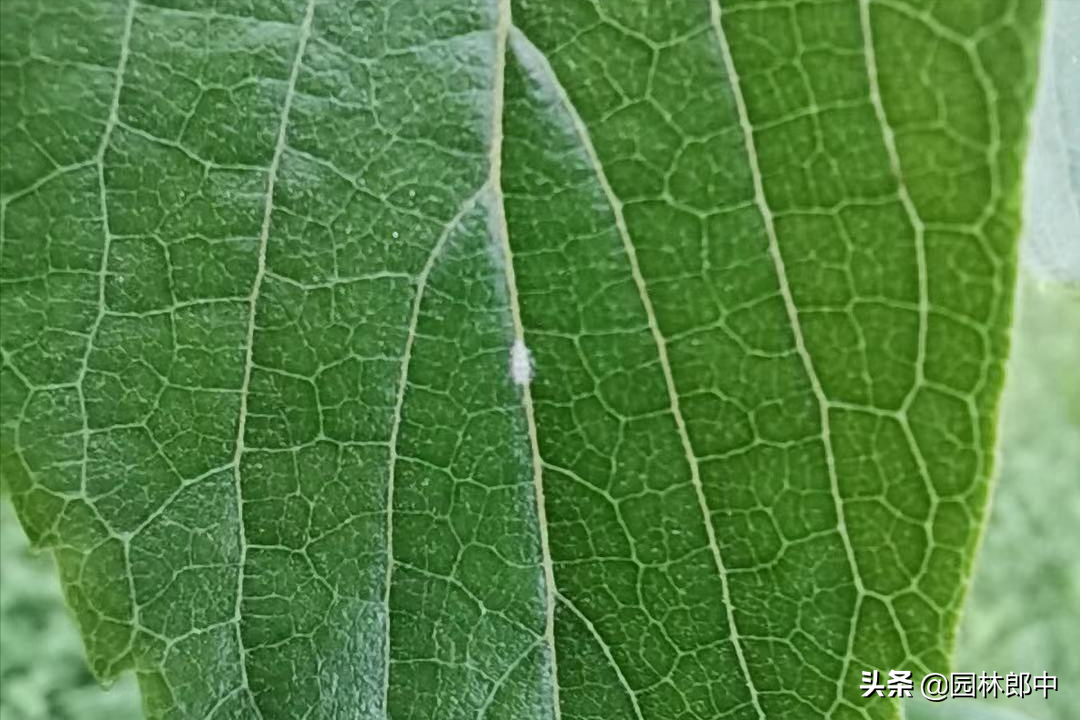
[
  {"x": 394, "y": 234},
  {"x": 521, "y": 368}
]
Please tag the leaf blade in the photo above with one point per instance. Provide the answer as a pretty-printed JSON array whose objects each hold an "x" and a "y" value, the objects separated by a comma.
[{"x": 673, "y": 268}]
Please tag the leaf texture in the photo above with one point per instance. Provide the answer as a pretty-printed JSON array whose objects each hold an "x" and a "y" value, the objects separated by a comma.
[
  {"x": 265, "y": 262},
  {"x": 1003, "y": 627}
]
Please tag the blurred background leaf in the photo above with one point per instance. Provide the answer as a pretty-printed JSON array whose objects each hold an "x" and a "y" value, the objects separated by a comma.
[{"x": 43, "y": 673}]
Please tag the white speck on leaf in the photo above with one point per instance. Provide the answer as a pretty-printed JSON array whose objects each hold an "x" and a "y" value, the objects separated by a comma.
[
  {"x": 394, "y": 234},
  {"x": 521, "y": 369}
]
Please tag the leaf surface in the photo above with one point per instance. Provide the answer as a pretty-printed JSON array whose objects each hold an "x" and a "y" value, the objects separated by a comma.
[
  {"x": 458, "y": 360},
  {"x": 1024, "y": 603}
]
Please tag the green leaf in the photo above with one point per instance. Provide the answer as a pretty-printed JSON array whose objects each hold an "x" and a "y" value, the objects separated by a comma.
[
  {"x": 1006, "y": 629},
  {"x": 265, "y": 262}
]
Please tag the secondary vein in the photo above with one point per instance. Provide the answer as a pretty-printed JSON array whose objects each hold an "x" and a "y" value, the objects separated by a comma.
[
  {"x": 606, "y": 650},
  {"x": 661, "y": 350},
  {"x": 249, "y": 343},
  {"x": 395, "y": 427},
  {"x": 785, "y": 291},
  {"x": 103, "y": 269},
  {"x": 888, "y": 137},
  {"x": 111, "y": 122}
]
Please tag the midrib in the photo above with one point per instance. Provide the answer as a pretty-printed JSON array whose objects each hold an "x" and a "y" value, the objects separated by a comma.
[{"x": 502, "y": 31}]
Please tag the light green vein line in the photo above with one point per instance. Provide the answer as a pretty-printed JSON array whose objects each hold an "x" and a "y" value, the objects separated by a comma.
[
  {"x": 500, "y": 683},
  {"x": 532, "y": 57},
  {"x": 502, "y": 30},
  {"x": 606, "y": 650},
  {"x": 969, "y": 44},
  {"x": 789, "y": 301},
  {"x": 53, "y": 174},
  {"x": 395, "y": 427},
  {"x": 249, "y": 347},
  {"x": 103, "y": 272},
  {"x": 888, "y": 137}
]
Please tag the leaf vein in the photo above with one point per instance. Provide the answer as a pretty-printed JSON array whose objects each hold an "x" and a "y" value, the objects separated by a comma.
[
  {"x": 534, "y": 54},
  {"x": 789, "y": 302},
  {"x": 395, "y": 426},
  {"x": 606, "y": 650},
  {"x": 503, "y": 28},
  {"x": 249, "y": 343}
]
